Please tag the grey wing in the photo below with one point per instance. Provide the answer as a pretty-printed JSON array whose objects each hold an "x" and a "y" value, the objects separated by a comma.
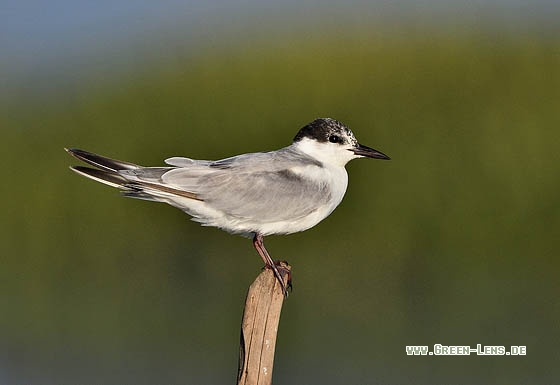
[
  {"x": 264, "y": 196},
  {"x": 260, "y": 187}
]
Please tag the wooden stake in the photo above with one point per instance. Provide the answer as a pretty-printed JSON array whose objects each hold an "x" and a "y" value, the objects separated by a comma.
[{"x": 259, "y": 328}]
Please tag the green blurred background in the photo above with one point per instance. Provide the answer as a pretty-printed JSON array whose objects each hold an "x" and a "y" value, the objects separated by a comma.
[{"x": 454, "y": 241}]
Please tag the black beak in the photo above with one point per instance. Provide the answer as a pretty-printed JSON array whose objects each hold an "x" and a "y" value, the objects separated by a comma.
[{"x": 368, "y": 152}]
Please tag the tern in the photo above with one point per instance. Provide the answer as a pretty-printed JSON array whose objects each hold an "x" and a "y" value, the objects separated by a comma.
[{"x": 258, "y": 194}]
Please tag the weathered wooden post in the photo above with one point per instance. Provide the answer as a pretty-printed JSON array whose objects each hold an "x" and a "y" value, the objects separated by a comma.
[{"x": 259, "y": 328}]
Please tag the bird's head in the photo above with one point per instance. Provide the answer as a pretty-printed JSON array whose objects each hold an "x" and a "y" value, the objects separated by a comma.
[{"x": 329, "y": 141}]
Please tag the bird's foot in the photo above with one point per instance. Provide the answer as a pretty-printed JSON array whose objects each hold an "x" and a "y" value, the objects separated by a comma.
[
  {"x": 285, "y": 270},
  {"x": 280, "y": 270}
]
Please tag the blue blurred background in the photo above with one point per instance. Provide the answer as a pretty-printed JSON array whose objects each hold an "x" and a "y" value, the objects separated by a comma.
[{"x": 454, "y": 241}]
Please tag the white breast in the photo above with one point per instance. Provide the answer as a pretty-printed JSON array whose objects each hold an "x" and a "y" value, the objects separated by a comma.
[{"x": 333, "y": 176}]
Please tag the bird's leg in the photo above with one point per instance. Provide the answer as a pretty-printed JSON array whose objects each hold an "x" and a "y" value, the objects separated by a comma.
[{"x": 258, "y": 243}]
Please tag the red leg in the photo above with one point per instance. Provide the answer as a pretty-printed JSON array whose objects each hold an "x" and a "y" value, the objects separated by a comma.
[{"x": 258, "y": 243}]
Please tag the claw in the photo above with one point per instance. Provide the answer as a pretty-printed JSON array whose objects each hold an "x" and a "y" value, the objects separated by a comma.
[
  {"x": 280, "y": 270},
  {"x": 285, "y": 270}
]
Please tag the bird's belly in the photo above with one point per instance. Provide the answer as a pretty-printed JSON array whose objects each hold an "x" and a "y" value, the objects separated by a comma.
[{"x": 296, "y": 225}]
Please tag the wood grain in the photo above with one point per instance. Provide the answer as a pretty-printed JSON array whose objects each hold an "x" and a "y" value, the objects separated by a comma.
[{"x": 259, "y": 328}]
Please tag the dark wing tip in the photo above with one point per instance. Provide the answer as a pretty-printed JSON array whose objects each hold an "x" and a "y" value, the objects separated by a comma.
[
  {"x": 99, "y": 161},
  {"x": 80, "y": 154},
  {"x": 106, "y": 177}
]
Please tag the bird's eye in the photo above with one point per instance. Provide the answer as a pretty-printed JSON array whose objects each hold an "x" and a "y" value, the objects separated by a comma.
[{"x": 334, "y": 139}]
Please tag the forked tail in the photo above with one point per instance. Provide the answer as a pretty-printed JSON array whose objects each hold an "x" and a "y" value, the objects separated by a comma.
[
  {"x": 135, "y": 181},
  {"x": 106, "y": 171}
]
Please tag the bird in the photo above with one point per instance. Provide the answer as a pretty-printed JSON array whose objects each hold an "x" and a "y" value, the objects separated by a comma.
[{"x": 255, "y": 194}]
